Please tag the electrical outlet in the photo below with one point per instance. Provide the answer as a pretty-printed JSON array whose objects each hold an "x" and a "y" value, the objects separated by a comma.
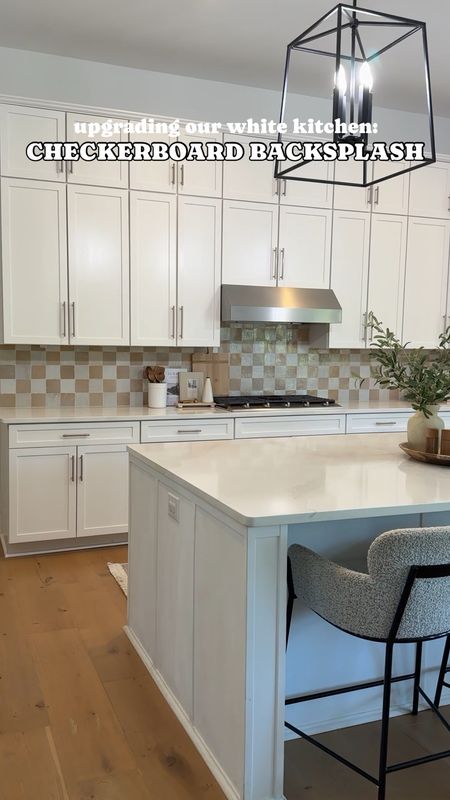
[{"x": 174, "y": 507}]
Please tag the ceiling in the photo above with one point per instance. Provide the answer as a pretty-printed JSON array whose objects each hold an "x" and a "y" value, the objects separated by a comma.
[{"x": 236, "y": 41}]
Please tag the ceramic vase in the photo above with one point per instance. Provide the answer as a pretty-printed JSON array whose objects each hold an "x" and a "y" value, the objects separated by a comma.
[
  {"x": 157, "y": 395},
  {"x": 418, "y": 425}
]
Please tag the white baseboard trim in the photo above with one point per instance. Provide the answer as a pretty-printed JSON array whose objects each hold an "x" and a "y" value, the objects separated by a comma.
[
  {"x": 61, "y": 546},
  {"x": 360, "y": 718},
  {"x": 221, "y": 777}
]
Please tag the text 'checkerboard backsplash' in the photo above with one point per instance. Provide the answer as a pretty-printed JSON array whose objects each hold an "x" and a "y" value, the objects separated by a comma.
[{"x": 271, "y": 359}]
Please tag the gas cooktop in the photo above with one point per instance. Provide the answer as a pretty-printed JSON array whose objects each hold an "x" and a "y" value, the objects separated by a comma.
[{"x": 272, "y": 401}]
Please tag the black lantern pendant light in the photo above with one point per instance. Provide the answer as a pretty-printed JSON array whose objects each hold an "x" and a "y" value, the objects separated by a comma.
[{"x": 347, "y": 36}]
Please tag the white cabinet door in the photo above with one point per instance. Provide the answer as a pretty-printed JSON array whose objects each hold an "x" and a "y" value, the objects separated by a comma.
[
  {"x": 34, "y": 258},
  {"x": 250, "y": 238},
  {"x": 306, "y": 193},
  {"x": 153, "y": 269},
  {"x": 390, "y": 196},
  {"x": 349, "y": 268},
  {"x": 304, "y": 247},
  {"x": 102, "y": 499},
  {"x": 154, "y": 176},
  {"x": 426, "y": 281},
  {"x": 249, "y": 180},
  {"x": 387, "y": 270},
  {"x": 20, "y": 125},
  {"x": 42, "y": 494},
  {"x": 351, "y": 198},
  {"x": 199, "y": 239},
  {"x": 98, "y": 265},
  {"x": 430, "y": 191},
  {"x": 175, "y": 594},
  {"x": 200, "y": 178},
  {"x": 96, "y": 173}
]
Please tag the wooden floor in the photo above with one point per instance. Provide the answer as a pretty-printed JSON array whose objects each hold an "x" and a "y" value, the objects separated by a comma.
[{"x": 81, "y": 719}]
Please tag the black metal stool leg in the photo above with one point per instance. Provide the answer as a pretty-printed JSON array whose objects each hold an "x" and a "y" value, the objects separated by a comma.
[
  {"x": 442, "y": 672},
  {"x": 385, "y": 721},
  {"x": 417, "y": 672},
  {"x": 291, "y": 596}
]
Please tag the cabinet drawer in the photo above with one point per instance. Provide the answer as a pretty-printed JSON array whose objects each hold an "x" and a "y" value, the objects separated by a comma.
[
  {"x": 314, "y": 425},
  {"x": 377, "y": 423},
  {"x": 41, "y": 435},
  {"x": 187, "y": 430}
]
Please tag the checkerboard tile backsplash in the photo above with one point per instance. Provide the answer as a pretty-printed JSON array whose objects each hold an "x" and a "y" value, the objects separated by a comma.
[{"x": 271, "y": 359}]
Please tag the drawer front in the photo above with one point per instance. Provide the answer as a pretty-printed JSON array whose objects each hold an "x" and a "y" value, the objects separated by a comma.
[
  {"x": 377, "y": 423},
  {"x": 41, "y": 435},
  {"x": 187, "y": 430},
  {"x": 314, "y": 425}
]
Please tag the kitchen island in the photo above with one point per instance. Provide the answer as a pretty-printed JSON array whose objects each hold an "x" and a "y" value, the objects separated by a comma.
[{"x": 210, "y": 524}]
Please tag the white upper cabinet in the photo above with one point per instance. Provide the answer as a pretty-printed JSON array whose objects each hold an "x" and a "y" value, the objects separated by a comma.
[
  {"x": 304, "y": 247},
  {"x": 305, "y": 193},
  {"x": 351, "y": 198},
  {"x": 390, "y": 196},
  {"x": 387, "y": 270},
  {"x": 426, "y": 281},
  {"x": 20, "y": 125},
  {"x": 153, "y": 247},
  {"x": 250, "y": 238},
  {"x": 96, "y": 173},
  {"x": 349, "y": 271},
  {"x": 98, "y": 265},
  {"x": 199, "y": 241},
  {"x": 430, "y": 191},
  {"x": 34, "y": 258},
  {"x": 249, "y": 180},
  {"x": 202, "y": 178},
  {"x": 154, "y": 176}
]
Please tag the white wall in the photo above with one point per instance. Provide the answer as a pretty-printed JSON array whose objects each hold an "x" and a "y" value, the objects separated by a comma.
[{"x": 48, "y": 77}]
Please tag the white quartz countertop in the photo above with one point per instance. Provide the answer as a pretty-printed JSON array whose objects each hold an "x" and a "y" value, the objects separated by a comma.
[
  {"x": 312, "y": 478},
  {"x": 11, "y": 416}
]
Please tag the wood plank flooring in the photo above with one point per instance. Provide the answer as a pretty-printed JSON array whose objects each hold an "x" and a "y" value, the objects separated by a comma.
[{"x": 81, "y": 719}]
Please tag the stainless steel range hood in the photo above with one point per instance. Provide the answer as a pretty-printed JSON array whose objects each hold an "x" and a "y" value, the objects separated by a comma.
[{"x": 277, "y": 304}]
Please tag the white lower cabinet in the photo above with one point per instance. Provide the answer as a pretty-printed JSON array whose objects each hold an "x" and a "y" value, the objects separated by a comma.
[
  {"x": 314, "y": 425},
  {"x": 102, "y": 494},
  {"x": 65, "y": 491},
  {"x": 175, "y": 594},
  {"x": 42, "y": 494}
]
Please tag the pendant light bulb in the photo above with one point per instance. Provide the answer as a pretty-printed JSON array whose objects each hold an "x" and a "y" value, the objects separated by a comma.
[
  {"x": 340, "y": 80},
  {"x": 365, "y": 76}
]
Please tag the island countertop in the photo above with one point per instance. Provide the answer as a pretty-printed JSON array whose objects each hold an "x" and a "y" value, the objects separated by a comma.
[{"x": 312, "y": 478}]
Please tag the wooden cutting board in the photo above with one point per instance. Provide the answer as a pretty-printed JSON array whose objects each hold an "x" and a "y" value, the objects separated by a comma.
[{"x": 215, "y": 366}]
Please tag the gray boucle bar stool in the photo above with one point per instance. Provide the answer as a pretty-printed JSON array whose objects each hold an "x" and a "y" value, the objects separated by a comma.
[
  {"x": 445, "y": 667},
  {"x": 404, "y": 598}
]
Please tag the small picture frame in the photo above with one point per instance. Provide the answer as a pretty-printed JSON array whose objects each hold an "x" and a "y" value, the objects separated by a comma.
[{"x": 191, "y": 386}]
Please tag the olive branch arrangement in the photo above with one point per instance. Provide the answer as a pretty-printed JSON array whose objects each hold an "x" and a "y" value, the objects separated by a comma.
[{"x": 423, "y": 378}]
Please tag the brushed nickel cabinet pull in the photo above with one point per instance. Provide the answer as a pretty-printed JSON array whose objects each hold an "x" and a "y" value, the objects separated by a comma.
[
  {"x": 81, "y": 468},
  {"x": 181, "y": 321},
  {"x": 284, "y": 187},
  {"x": 385, "y": 423},
  {"x": 182, "y": 175},
  {"x": 63, "y": 309},
  {"x": 275, "y": 263},
  {"x": 60, "y": 166},
  {"x": 190, "y": 430},
  {"x": 73, "y": 318},
  {"x": 369, "y": 195},
  {"x": 282, "y": 264},
  {"x": 172, "y": 170},
  {"x": 377, "y": 195},
  {"x": 72, "y": 475},
  {"x": 75, "y": 435},
  {"x": 172, "y": 335}
]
